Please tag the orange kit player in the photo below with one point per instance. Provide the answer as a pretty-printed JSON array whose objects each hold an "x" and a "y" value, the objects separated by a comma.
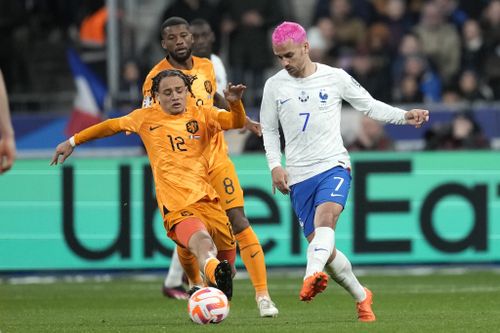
[
  {"x": 177, "y": 140},
  {"x": 177, "y": 41}
]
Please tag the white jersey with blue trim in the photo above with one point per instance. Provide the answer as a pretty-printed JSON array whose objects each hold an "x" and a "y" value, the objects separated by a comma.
[{"x": 308, "y": 110}]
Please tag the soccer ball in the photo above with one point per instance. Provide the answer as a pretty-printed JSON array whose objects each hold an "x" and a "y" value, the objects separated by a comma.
[{"x": 208, "y": 306}]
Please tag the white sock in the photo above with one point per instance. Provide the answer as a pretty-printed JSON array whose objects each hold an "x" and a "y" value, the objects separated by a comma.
[
  {"x": 340, "y": 269},
  {"x": 319, "y": 250},
  {"x": 175, "y": 272}
]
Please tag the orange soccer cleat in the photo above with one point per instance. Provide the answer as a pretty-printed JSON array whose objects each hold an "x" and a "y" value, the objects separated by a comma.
[
  {"x": 365, "y": 312},
  {"x": 313, "y": 285}
]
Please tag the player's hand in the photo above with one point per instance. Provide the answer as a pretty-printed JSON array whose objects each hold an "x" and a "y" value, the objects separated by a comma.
[
  {"x": 7, "y": 153},
  {"x": 280, "y": 180},
  {"x": 417, "y": 117},
  {"x": 253, "y": 127},
  {"x": 64, "y": 149},
  {"x": 233, "y": 93}
]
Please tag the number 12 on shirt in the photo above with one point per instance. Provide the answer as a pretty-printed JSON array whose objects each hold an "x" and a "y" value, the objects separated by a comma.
[{"x": 306, "y": 114}]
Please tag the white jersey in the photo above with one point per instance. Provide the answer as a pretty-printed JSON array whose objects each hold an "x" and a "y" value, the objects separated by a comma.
[
  {"x": 220, "y": 73},
  {"x": 308, "y": 110}
]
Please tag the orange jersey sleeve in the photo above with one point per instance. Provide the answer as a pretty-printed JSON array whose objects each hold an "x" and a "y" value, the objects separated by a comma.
[
  {"x": 130, "y": 123},
  {"x": 229, "y": 120}
]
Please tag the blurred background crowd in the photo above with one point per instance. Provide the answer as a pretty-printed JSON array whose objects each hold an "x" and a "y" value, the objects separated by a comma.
[{"x": 443, "y": 54}]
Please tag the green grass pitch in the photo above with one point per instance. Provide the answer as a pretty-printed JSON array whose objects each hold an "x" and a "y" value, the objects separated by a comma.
[{"x": 439, "y": 302}]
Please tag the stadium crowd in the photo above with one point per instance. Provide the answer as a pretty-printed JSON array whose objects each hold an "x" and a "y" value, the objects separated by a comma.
[{"x": 401, "y": 51}]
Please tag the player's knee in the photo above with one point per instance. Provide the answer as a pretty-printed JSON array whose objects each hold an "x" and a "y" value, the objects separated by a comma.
[
  {"x": 326, "y": 220},
  {"x": 239, "y": 221},
  {"x": 332, "y": 256},
  {"x": 201, "y": 242}
]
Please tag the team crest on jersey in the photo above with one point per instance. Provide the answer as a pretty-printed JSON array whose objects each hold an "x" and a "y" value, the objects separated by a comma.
[
  {"x": 192, "y": 126},
  {"x": 323, "y": 96},
  {"x": 208, "y": 86},
  {"x": 304, "y": 97}
]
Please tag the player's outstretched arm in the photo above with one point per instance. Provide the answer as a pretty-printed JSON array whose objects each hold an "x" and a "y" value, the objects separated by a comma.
[
  {"x": 101, "y": 130},
  {"x": 417, "y": 117}
]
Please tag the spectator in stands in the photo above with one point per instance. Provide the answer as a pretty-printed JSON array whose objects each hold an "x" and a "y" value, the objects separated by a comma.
[
  {"x": 92, "y": 37},
  {"x": 471, "y": 89},
  {"x": 322, "y": 42},
  {"x": 451, "y": 96},
  {"x": 398, "y": 22},
  {"x": 350, "y": 30},
  {"x": 409, "y": 46},
  {"x": 246, "y": 23},
  {"x": 371, "y": 76},
  {"x": 409, "y": 91},
  {"x": 131, "y": 83},
  {"x": 361, "y": 9},
  {"x": 491, "y": 33},
  {"x": 453, "y": 13},
  {"x": 462, "y": 133},
  {"x": 429, "y": 83},
  {"x": 371, "y": 136},
  {"x": 7, "y": 140},
  {"x": 473, "y": 47},
  {"x": 377, "y": 45},
  {"x": 440, "y": 41}
]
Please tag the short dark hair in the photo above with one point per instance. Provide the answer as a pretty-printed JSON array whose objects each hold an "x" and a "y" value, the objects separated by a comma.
[
  {"x": 174, "y": 20},
  {"x": 188, "y": 79},
  {"x": 199, "y": 22}
]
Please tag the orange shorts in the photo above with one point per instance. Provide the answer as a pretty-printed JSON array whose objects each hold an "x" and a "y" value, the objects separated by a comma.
[
  {"x": 226, "y": 183},
  {"x": 212, "y": 216}
]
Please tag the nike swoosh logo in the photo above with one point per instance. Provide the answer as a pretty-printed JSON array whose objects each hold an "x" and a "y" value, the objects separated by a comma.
[
  {"x": 152, "y": 128},
  {"x": 336, "y": 195},
  {"x": 229, "y": 201},
  {"x": 319, "y": 249},
  {"x": 286, "y": 100},
  {"x": 253, "y": 255}
]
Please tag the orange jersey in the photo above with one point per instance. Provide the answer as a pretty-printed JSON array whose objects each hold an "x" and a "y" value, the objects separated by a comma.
[
  {"x": 204, "y": 89},
  {"x": 178, "y": 147}
]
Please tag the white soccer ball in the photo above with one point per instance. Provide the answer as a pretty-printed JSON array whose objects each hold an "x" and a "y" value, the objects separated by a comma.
[{"x": 208, "y": 306}]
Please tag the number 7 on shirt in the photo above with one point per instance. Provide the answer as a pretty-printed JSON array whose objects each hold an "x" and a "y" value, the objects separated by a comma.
[{"x": 307, "y": 114}]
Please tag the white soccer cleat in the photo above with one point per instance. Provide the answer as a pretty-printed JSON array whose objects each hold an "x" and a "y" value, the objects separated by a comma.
[{"x": 266, "y": 307}]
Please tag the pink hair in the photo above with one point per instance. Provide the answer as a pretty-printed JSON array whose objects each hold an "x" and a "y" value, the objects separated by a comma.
[{"x": 289, "y": 31}]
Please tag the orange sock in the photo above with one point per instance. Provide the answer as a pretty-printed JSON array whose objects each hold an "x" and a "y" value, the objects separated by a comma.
[
  {"x": 253, "y": 257},
  {"x": 210, "y": 266},
  {"x": 190, "y": 265}
]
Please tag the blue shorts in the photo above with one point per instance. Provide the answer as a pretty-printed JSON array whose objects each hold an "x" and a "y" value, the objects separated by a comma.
[{"x": 329, "y": 186}]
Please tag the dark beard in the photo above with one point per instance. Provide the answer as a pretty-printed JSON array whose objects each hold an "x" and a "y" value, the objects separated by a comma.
[{"x": 180, "y": 59}]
